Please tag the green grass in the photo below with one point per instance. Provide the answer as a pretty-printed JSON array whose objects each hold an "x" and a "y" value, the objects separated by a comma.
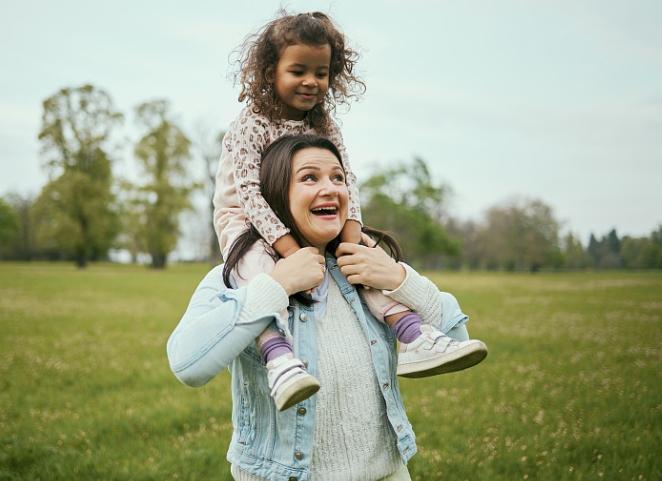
[{"x": 570, "y": 390}]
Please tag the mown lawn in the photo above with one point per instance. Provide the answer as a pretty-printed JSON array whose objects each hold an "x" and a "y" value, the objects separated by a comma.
[{"x": 570, "y": 390}]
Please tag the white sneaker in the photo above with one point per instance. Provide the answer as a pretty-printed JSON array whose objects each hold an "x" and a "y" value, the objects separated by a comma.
[
  {"x": 434, "y": 353},
  {"x": 288, "y": 381}
]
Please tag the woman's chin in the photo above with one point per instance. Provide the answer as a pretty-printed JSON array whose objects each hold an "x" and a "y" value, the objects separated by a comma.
[{"x": 324, "y": 232}]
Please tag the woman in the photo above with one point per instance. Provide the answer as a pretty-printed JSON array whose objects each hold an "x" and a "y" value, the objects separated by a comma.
[{"x": 355, "y": 428}]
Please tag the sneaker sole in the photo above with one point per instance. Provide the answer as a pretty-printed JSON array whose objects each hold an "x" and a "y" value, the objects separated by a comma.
[
  {"x": 298, "y": 391},
  {"x": 461, "y": 359}
]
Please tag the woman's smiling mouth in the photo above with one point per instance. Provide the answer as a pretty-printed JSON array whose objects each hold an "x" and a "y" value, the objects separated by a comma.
[{"x": 327, "y": 211}]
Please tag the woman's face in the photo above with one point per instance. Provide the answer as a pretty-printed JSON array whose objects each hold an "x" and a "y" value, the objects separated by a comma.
[{"x": 318, "y": 195}]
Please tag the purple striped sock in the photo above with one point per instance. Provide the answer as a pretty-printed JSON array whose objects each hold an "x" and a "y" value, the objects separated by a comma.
[
  {"x": 274, "y": 347},
  {"x": 407, "y": 328}
]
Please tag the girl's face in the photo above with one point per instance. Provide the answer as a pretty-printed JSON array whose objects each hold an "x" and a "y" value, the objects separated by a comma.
[
  {"x": 318, "y": 195},
  {"x": 302, "y": 78}
]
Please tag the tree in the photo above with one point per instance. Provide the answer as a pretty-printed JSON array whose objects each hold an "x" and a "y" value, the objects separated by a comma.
[
  {"x": 643, "y": 252},
  {"x": 593, "y": 250},
  {"x": 22, "y": 245},
  {"x": 606, "y": 252},
  {"x": 76, "y": 208},
  {"x": 574, "y": 255},
  {"x": 405, "y": 200},
  {"x": 654, "y": 259},
  {"x": 8, "y": 228},
  {"x": 163, "y": 152},
  {"x": 636, "y": 252},
  {"x": 521, "y": 235}
]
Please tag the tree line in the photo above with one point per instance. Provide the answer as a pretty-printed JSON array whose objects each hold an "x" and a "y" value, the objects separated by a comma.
[
  {"x": 517, "y": 235},
  {"x": 84, "y": 209}
]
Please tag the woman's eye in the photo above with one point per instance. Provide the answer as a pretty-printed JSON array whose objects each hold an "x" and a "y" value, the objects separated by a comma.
[
  {"x": 308, "y": 177},
  {"x": 339, "y": 178}
]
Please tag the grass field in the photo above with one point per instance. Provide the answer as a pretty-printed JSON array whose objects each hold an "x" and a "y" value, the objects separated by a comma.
[{"x": 571, "y": 388}]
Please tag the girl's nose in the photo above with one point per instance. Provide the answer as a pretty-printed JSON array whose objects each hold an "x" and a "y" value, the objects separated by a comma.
[{"x": 310, "y": 80}]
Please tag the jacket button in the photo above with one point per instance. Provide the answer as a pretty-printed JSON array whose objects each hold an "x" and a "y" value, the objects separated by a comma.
[
  {"x": 291, "y": 478},
  {"x": 301, "y": 411},
  {"x": 373, "y": 342},
  {"x": 386, "y": 386},
  {"x": 303, "y": 317},
  {"x": 298, "y": 455}
]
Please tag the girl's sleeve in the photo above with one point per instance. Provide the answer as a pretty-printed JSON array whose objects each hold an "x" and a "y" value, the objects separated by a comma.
[
  {"x": 220, "y": 323},
  {"x": 352, "y": 185},
  {"x": 248, "y": 144},
  {"x": 420, "y": 294}
]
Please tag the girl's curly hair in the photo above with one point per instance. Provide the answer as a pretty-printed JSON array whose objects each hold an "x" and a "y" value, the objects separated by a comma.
[{"x": 258, "y": 56}]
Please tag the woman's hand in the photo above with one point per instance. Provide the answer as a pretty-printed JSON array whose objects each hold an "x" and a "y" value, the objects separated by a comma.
[
  {"x": 370, "y": 266},
  {"x": 301, "y": 271}
]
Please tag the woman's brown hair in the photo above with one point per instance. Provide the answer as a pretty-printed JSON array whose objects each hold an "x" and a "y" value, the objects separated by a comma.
[{"x": 260, "y": 52}]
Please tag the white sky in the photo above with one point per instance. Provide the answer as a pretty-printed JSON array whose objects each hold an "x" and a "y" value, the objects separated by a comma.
[{"x": 558, "y": 100}]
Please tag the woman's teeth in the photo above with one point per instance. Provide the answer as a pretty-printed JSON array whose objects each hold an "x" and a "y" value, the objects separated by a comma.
[{"x": 324, "y": 210}]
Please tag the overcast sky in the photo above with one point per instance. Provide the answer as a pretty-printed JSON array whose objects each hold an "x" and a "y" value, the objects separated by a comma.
[{"x": 556, "y": 100}]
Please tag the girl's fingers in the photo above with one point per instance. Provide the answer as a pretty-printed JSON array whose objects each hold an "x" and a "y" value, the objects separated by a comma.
[{"x": 367, "y": 240}]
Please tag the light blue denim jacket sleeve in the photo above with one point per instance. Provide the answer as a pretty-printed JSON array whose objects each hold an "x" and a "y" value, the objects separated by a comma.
[{"x": 220, "y": 323}]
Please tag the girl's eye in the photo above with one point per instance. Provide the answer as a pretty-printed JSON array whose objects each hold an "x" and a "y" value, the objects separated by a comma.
[
  {"x": 308, "y": 177},
  {"x": 339, "y": 178},
  {"x": 322, "y": 74},
  {"x": 296, "y": 73}
]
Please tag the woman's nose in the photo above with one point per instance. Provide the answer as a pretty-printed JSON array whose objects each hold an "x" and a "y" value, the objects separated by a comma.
[{"x": 329, "y": 188}]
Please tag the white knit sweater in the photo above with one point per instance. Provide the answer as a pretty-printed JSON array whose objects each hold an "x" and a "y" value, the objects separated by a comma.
[{"x": 352, "y": 439}]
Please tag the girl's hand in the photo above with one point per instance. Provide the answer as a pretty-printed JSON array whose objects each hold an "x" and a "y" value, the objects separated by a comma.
[
  {"x": 301, "y": 271},
  {"x": 370, "y": 266}
]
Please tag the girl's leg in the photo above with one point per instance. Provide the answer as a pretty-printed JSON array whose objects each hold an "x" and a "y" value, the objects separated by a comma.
[
  {"x": 272, "y": 344},
  {"x": 424, "y": 349},
  {"x": 406, "y": 325},
  {"x": 288, "y": 380}
]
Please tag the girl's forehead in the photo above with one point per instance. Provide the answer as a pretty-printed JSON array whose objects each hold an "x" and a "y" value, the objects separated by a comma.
[{"x": 302, "y": 53}]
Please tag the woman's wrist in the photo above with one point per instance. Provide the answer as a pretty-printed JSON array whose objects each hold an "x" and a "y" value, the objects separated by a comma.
[
  {"x": 399, "y": 280},
  {"x": 282, "y": 281}
]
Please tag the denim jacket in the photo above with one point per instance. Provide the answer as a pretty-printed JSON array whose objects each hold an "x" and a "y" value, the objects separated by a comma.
[{"x": 218, "y": 330}]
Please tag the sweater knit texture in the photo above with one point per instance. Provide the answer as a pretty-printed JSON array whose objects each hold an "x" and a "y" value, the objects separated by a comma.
[{"x": 352, "y": 439}]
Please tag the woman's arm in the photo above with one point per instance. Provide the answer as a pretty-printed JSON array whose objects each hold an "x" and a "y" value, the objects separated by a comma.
[
  {"x": 220, "y": 323},
  {"x": 441, "y": 309},
  {"x": 372, "y": 266}
]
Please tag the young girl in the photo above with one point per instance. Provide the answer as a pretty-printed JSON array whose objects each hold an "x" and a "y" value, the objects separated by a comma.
[{"x": 292, "y": 74}]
